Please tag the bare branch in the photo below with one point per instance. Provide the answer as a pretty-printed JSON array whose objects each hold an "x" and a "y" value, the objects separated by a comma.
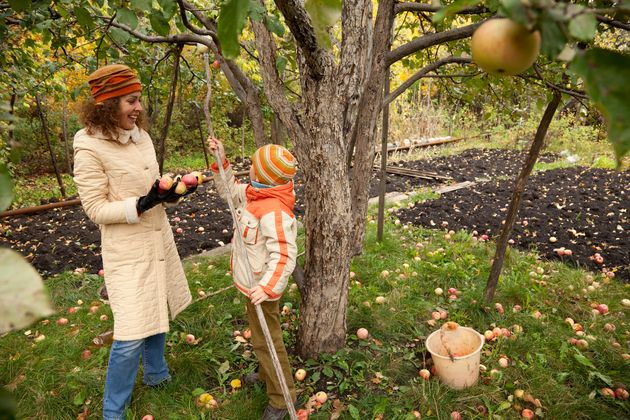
[
  {"x": 422, "y": 73},
  {"x": 429, "y": 40},
  {"x": 574, "y": 93},
  {"x": 301, "y": 27},
  {"x": 422, "y": 7},
  {"x": 183, "y": 8},
  {"x": 614, "y": 23}
]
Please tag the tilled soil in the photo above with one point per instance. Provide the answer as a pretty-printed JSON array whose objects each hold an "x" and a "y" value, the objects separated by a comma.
[{"x": 585, "y": 209}]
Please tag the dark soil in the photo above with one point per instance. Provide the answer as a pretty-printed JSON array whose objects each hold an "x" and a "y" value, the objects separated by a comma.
[{"x": 593, "y": 202}]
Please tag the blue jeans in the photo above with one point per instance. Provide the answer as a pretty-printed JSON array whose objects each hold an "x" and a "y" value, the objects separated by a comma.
[{"x": 124, "y": 361}]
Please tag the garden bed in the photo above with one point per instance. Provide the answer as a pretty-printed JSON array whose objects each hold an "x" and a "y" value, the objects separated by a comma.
[{"x": 585, "y": 209}]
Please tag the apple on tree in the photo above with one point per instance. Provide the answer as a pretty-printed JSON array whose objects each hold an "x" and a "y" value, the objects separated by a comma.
[{"x": 503, "y": 47}]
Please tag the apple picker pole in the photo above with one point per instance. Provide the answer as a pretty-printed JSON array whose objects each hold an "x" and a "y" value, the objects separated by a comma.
[{"x": 243, "y": 252}]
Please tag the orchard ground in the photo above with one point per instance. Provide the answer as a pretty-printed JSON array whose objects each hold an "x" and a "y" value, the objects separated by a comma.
[{"x": 377, "y": 377}]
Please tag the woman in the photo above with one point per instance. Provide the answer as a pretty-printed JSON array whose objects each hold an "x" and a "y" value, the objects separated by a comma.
[{"x": 116, "y": 175}]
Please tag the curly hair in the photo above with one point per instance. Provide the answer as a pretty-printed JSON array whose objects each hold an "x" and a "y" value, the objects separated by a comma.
[{"x": 104, "y": 117}]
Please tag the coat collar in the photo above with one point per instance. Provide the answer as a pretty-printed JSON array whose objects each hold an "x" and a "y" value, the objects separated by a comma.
[{"x": 124, "y": 136}]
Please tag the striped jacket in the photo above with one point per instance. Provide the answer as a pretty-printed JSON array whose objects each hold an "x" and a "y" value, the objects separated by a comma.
[{"x": 269, "y": 231}]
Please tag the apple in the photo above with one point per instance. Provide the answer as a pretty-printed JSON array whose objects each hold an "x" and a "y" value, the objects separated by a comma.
[
  {"x": 553, "y": 240},
  {"x": 72, "y": 309},
  {"x": 625, "y": 303},
  {"x": 300, "y": 374},
  {"x": 216, "y": 64},
  {"x": 527, "y": 413},
  {"x": 608, "y": 327},
  {"x": 321, "y": 397},
  {"x": 424, "y": 374},
  {"x": 517, "y": 308},
  {"x": 443, "y": 313},
  {"x": 621, "y": 393},
  {"x": 504, "y": 362},
  {"x": 247, "y": 334},
  {"x": 602, "y": 308},
  {"x": 236, "y": 333},
  {"x": 384, "y": 273},
  {"x": 190, "y": 339},
  {"x": 101, "y": 272},
  {"x": 201, "y": 48},
  {"x": 179, "y": 230},
  {"x": 180, "y": 188},
  {"x": 190, "y": 180},
  {"x": 537, "y": 315},
  {"x": 519, "y": 393},
  {"x": 362, "y": 333},
  {"x": 503, "y": 47},
  {"x": 483, "y": 237},
  {"x": 86, "y": 354},
  {"x": 380, "y": 300},
  {"x": 166, "y": 182},
  {"x": 488, "y": 335},
  {"x": 452, "y": 291},
  {"x": 455, "y": 415},
  {"x": 93, "y": 309},
  {"x": 147, "y": 417},
  {"x": 438, "y": 291},
  {"x": 62, "y": 321},
  {"x": 499, "y": 308}
]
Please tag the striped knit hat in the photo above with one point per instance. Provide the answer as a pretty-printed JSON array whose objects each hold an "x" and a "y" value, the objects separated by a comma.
[
  {"x": 274, "y": 165},
  {"x": 113, "y": 81}
]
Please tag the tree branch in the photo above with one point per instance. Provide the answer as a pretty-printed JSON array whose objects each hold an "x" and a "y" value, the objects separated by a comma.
[
  {"x": 611, "y": 22},
  {"x": 430, "y": 40},
  {"x": 422, "y": 7},
  {"x": 183, "y": 8},
  {"x": 301, "y": 27},
  {"x": 422, "y": 73}
]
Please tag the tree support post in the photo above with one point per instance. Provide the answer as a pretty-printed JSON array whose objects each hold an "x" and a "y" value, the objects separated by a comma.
[{"x": 534, "y": 151}]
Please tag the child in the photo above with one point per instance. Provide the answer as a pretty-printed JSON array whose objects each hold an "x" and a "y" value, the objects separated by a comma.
[{"x": 268, "y": 227}]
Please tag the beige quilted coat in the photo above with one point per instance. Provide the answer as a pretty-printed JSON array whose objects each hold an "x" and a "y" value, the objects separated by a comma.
[{"x": 143, "y": 272}]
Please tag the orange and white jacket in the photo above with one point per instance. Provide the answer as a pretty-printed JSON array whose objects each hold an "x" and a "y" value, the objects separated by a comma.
[{"x": 269, "y": 231}]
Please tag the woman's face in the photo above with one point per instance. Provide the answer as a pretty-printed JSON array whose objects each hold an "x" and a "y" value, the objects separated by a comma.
[{"x": 129, "y": 108}]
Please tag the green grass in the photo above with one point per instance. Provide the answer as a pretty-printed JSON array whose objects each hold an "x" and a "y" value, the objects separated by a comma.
[{"x": 370, "y": 377}]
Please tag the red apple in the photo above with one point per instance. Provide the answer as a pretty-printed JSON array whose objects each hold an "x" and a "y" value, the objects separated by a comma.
[
  {"x": 216, "y": 64},
  {"x": 621, "y": 393},
  {"x": 527, "y": 414},
  {"x": 147, "y": 417},
  {"x": 456, "y": 416},
  {"x": 190, "y": 339},
  {"x": 602, "y": 308},
  {"x": 166, "y": 182},
  {"x": 62, "y": 321},
  {"x": 101, "y": 272},
  {"x": 179, "y": 230},
  {"x": 247, "y": 334},
  {"x": 424, "y": 374},
  {"x": 190, "y": 180},
  {"x": 86, "y": 354}
]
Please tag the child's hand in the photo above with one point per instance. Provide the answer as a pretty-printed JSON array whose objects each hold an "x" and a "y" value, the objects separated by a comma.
[
  {"x": 258, "y": 295},
  {"x": 216, "y": 147}
]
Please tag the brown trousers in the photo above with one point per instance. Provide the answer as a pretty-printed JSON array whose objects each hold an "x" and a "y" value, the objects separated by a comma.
[{"x": 266, "y": 370}]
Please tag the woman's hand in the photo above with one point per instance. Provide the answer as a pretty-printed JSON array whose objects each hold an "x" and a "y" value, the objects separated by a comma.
[
  {"x": 216, "y": 147},
  {"x": 257, "y": 295}
]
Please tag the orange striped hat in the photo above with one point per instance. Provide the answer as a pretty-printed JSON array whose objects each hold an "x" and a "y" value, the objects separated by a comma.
[
  {"x": 274, "y": 165},
  {"x": 113, "y": 81}
]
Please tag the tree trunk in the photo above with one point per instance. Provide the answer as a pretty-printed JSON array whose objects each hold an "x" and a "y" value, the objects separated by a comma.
[
  {"x": 53, "y": 159},
  {"x": 534, "y": 151},
  {"x": 169, "y": 108},
  {"x": 277, "y": 131}
]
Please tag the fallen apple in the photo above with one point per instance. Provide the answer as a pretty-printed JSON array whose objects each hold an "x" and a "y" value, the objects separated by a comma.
[
  {"x": 321, "y": 397},
  {"x": 625, "y": 303},
  {"x": 147, "y": 417},
  {"x": 247, "y": 334},
  {"x": 190, "y": 339},
  {"x": 621, "y": 393},
  {"x": 216, "y": 64},
  {"x": 602, "y": 308},
  {"x": 527, "y": 413},
  {"x": 362, "y": 333},
  {"x": 101, "y": 272},
  {"x": 199, "y": 177},
  {"x": 103, "y": 317},
  {"x": 86, "y": 354},
  {"x": 455, "y": 415},
  {"x": 438, "y": 291},
  {"x": 380, "y": 300},
  {"x": 607, "y": 392},
  {"x": 424, "y": 374},
  {"x": 300, "y": 374}
]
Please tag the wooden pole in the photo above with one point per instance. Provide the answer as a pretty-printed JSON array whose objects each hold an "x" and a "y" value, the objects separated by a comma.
[
  {"x": 53, "y": 159},
  {"x": 169, "y": 108},
  {"x": 383, "y": 183},
  {"x": 534, "y": 151}
]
